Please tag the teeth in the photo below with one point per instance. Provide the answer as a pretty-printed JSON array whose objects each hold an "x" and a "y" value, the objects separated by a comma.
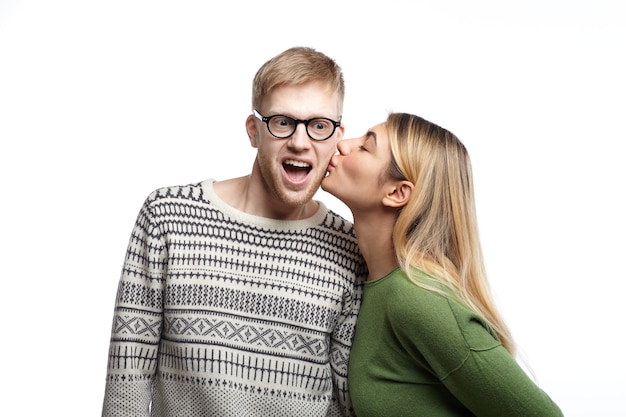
[{"x": 298, "y": 164}]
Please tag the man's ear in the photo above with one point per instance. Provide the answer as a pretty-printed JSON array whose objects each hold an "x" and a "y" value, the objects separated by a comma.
[
  {"x": 397, "y": 193},
  {"x": 251, "y": 128}
]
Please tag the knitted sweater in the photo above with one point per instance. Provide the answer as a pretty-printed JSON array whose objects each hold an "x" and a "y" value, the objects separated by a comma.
[
  {"x": 418, "y": 353},
  {"x": 221, "y": 313}
]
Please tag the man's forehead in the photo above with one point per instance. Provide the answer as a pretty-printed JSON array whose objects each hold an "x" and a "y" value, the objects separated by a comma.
[{"x": 303, "y": 101}]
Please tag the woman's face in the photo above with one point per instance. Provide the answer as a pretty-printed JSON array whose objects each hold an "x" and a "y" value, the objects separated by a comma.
[{"x": 356, "y": 174}]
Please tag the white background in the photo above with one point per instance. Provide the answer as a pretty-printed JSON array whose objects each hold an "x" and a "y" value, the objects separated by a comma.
[{"x": 103, "y": 101}]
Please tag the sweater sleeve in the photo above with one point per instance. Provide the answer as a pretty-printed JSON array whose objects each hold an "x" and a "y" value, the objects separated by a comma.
[
  {"x": 469, "y": 360},
  {"x": 340, "y": 344},
  {"x": 491, "y": 383},
  {"x": 137, "y": 321}
]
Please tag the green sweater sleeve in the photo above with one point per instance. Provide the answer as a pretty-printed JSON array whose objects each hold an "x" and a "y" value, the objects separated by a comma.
[
  {"x": 491, "y": 383},
  {"x": 465, "y": 355}
]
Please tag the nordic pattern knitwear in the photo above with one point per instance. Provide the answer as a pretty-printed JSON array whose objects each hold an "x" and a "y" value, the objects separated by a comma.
[{"x": 220, "y": 313}]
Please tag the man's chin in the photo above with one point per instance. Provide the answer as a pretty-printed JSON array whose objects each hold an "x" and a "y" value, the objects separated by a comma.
[{"x": 298, "y": 198}]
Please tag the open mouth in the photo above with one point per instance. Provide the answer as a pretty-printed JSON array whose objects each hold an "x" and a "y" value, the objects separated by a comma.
[{"x": 296, "y": 170}]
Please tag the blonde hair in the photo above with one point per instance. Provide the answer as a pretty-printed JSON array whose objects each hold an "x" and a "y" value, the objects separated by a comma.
[
  {"x": 298, "y": 65},
  {"x": 437, "y": 231}
]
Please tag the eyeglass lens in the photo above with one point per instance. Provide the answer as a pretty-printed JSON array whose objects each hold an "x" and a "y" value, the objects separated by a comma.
[{"x": 284, "y": 126}]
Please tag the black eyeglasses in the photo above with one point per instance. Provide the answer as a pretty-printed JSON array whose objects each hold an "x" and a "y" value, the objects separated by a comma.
[{"x": 281, "y": 126}]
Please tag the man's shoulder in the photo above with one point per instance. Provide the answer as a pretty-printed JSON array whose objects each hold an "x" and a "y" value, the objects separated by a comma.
[
  {"x": 192, "y": 191},
  {"x": 336, "y": 222}
]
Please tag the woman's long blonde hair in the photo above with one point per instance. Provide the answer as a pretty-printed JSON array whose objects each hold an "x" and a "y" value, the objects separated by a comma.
[{"x": 437, "y": 231}]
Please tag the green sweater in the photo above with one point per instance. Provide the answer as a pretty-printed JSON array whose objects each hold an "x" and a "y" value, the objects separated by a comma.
[{"x": 417, "y": 353}]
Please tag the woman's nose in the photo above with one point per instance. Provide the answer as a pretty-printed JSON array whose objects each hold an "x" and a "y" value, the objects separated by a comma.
[{"x": 343, "y": 146}]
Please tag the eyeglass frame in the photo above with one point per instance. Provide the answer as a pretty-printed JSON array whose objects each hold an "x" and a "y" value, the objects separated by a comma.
[{"x": 266, "y": 120}]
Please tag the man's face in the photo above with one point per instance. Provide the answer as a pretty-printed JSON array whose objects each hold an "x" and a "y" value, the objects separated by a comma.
[{"x": 293, "y": 168}]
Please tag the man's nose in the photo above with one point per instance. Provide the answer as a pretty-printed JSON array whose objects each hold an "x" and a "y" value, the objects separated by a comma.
[{"x": 300, "y": 137}]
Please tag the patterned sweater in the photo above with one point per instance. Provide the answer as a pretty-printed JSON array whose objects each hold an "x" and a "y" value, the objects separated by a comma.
[{"x": 221, "y": 313}]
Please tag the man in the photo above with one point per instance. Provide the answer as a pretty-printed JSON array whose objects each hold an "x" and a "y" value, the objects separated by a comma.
[{"x": 239, "y": 297}]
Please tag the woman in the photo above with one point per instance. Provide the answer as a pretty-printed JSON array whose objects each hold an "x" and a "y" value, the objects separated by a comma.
[{"x": 429, "y": 340}]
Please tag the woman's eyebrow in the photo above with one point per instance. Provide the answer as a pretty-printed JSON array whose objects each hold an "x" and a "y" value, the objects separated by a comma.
[{"x": 371, "y": 135}]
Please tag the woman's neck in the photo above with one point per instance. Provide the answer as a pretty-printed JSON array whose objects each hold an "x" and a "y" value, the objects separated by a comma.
[{"x": 374, "y": 235}]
